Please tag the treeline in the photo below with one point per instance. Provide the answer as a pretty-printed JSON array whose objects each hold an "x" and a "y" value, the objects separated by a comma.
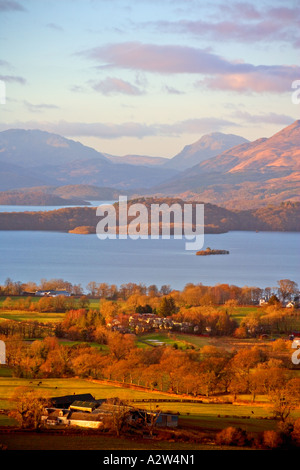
[
  {"x": 59, "y": 304},
  {"x": 26, "y": 330},
  {"x": 284, "y": 217},
  {"x": 191, "y": 295}
]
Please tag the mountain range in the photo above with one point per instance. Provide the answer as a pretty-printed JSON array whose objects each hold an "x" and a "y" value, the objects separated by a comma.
[
  {"x": 252, "y": 173},
  {"x": 37, "y": 158},
  {"x": 223, "y": 169}
]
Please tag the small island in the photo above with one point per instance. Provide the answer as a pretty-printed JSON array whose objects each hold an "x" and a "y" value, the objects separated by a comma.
[
  {"x": 209, "y": 251},
  {"x": 83, "y": 230}
]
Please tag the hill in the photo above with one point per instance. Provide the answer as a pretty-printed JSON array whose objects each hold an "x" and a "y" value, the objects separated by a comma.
[
  {"x": 35, "y": 148},
  {"x": 60, "y": 195},
  {"x": 205, "y": 148},
  {"x": 284, "y": 217},
  {"x": 36, "y": 198},
  {"x": 253, "y": 173},
  {"x": 138, "y": 160},
  {"x": 89, "y": 192},
  {"x": 38, "y": 158}
]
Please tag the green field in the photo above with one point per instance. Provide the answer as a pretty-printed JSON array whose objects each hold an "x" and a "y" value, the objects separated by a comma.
[
  {"x": 184, "y": 341},
  {"x": 199, "y": 416},
  {"x": 239, "y": 313},
  {"x": 169, "y": 339},
  {"x": 66, "y": 342},
  {"x": 19, "y": 315}
]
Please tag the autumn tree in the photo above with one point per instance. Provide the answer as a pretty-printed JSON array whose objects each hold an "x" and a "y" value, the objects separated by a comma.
[
  {"x": 287, "y": 289},
  {"x": 285, "y": 399},
  {"x": 119, "y": 345},
  {"x": 108, "y": 309},
  {"x": 167, "y": 307},
  {"x": 88, "y": 363},
  {"x": 28, "y": 406},
  {"x": 92, "y": 288},
  {"x": 241, "y": 364}
]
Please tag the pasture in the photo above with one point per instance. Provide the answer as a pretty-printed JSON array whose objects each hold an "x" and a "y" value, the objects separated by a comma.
[{"x": 204, "y": 417}]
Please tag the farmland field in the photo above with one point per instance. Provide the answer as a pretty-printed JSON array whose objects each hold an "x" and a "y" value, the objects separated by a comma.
[
  {"x": 204, "y": 416},
  {"x": 19, "y": 315},
  {"x": 184, "y": 341}
]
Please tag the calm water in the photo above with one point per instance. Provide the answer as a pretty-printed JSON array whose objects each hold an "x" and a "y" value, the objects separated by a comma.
[{"x": 256, "y": 259}]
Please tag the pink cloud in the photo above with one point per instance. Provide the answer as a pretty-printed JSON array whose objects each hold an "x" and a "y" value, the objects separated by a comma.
[
  {"x": 156, "y": 58},
  {"x": 174, "y": 59},
  {"x": 264, "y": 30},
  {"x": 138, "y": 130},
  {"x": 266, "y": 118},
  {"x": 239, "y": 21},
  {"x": 113, "y": 85},
  {"x": 258, "y": 82}
]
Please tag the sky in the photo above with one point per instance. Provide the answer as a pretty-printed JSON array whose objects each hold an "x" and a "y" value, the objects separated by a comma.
[{"x": 148, "y": 77}]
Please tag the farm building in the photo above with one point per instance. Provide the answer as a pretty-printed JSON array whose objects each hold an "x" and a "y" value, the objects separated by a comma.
[
  {"x": 67, "y": 400},
  {"x": 91, "y": 413}
]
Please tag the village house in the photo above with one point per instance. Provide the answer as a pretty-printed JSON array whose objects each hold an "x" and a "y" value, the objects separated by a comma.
[{"x": 52, "y": 293}]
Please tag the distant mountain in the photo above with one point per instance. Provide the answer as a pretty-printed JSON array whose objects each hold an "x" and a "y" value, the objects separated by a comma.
[
  {"x": 281, "y": 151},
  {"x": 138, "y": 160},
  {"x": 35, "y": 148},
  {"x": 71, "y": 195},
  {"x": 115, "y": 175},
  {"x": 38, "y": 158},
  {"x": 90, "y": 193},
  {"x": 16, "y": 176},
  {"x": 267, "y": 169},
  {"x": 36, "y": 198},
  {"x": 207, "y": 147}
]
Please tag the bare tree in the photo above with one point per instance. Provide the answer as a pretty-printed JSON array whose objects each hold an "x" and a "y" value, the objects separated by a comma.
[
  {"x": 149, "y": 417},
  {"x": 117, "y": 416}
]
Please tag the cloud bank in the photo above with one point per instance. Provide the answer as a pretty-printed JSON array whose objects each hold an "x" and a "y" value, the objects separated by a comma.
[{"x": 219, "y": 72}]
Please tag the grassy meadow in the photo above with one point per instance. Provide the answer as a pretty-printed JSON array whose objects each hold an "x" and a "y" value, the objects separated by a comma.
[{"x": 252, "y": 417}]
